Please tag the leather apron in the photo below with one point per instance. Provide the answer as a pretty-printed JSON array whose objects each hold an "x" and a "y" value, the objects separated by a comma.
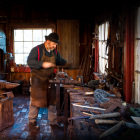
[{"x": 39, "y": 82}]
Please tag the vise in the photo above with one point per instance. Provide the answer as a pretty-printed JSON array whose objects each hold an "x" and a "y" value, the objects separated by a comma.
[
  {"x": 63, "y": 79},
  {"x": 66, "y": 81}
]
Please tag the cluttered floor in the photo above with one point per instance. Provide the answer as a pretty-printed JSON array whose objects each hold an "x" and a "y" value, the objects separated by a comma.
[{"x": 20, "y": 128}]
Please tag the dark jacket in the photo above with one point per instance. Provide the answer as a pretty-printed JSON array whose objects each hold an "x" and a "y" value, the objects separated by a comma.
[{"x": 33, "y": 62}]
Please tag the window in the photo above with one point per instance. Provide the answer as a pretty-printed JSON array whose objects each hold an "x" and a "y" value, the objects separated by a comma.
[
  {"x": 103, "y": 50},
  {"x": 25, "y": 40}
]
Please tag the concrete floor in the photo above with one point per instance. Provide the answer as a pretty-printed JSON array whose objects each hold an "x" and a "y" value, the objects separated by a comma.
[{"x": 20, "y": 129}]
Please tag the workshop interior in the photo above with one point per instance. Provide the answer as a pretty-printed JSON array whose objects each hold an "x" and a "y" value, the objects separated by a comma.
[{"x": 98, "y": 95}]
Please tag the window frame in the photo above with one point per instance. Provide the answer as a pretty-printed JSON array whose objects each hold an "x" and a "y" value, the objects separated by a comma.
[
  {"x": 102, "y": 42},
  {"x": 26, "y": 28}
]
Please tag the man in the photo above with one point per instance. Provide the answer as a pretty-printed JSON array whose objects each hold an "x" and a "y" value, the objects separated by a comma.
[{"x": 42, "y": 60}]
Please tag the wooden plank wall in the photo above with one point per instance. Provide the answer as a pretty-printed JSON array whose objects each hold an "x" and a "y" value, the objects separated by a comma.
[
  {"x": 68, "y": 31},
  {"x": 21, "y": 76},
  {"x": 72, "y": 73}
]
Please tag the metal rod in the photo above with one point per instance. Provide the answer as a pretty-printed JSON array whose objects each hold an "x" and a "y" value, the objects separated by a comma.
[{"x": 88, "y": 107}]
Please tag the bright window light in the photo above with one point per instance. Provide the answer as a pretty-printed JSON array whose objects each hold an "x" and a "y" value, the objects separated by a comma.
[{"x": 25, "y": 40}]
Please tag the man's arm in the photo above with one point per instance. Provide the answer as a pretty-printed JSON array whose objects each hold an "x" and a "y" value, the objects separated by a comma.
[
  {"x": 32, "y": 60},
  {"x": 60, "y": 60}
]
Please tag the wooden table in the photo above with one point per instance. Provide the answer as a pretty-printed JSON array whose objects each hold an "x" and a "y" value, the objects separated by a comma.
[{"x": 81, "y": 129}]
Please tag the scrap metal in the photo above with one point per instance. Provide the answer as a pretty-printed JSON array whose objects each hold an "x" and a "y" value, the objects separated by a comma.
[{"x": 101, "y": 95}]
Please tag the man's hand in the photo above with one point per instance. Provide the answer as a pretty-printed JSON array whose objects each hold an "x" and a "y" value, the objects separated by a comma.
[{"x": 47, "y": 65}]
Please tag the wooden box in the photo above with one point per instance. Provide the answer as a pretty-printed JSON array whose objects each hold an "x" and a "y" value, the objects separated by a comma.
[{"x": 6, "y": 113}]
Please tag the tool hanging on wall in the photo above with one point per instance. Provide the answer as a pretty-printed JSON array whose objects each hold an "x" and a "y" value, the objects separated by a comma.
[{"x": 84, "y": 69}]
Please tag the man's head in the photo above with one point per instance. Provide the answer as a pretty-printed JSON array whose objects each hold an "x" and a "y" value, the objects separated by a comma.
[{"x": 52, "y": 40}]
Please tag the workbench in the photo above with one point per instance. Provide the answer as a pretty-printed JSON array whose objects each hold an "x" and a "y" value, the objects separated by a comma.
[
  {"x": 84, "y": 117},
  {"x": 82, "y": 128}
]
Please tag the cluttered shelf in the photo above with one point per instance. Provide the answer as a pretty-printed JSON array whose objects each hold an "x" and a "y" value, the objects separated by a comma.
[{"x": 99, "y": 114}]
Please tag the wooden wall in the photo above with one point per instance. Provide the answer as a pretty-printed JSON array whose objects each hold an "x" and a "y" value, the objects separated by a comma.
[{"x": 68, "y": 31}]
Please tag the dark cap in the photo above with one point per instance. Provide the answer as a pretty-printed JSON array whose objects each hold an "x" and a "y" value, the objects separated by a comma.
[{"x": 53, "y": 37}]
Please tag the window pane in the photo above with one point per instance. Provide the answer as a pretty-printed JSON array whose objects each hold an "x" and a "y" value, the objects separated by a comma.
[
  {"x": 27, "y": 47},
  {"x": 19, "y": 58},
  {"x": 37, "y": 35},
  {"x": 25, "y": 58},
  {"x": 18, "y": 35},
  {"x": 106, "y": 30},
  {"x": 49, "y": 31},
  {"x": 102, "y": 32},
  {"x": 25, "y": 40},
  {"x": 100, "y": 44},
  {"x": 44, "y": 34},
  {"x": 18, "y": 47},
  {"x": 27, "y": 35}
]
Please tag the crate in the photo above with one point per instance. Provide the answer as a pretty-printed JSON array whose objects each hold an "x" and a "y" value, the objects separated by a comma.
[{"x": 6, "y": 113}]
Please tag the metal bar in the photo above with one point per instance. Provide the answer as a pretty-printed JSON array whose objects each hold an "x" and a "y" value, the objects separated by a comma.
[
  {"x": 58, "y": 99},
  {"x": 88, "y": 107},
  {"x": 66, "y": 102}
]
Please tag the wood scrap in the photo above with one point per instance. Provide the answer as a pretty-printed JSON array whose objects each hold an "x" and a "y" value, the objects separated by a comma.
[
  {"x": 115, "y": 114},
  {"x": 118, "y": 126},
  {"x": 101, "y": 121},
  {"x": 87, "y": 113},
  {"x": 111, "y": 105},
  {"x": 114, "y": 104}
]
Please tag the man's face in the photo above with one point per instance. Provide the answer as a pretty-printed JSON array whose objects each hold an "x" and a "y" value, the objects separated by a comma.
[{"x": 51, "y": 45}]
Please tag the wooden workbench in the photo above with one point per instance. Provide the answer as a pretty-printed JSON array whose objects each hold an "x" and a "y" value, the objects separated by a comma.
[{"x": 82, "y": 128}]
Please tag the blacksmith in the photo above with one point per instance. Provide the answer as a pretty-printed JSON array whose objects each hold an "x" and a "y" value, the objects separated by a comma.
[{"x": 42, "y": 60}]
